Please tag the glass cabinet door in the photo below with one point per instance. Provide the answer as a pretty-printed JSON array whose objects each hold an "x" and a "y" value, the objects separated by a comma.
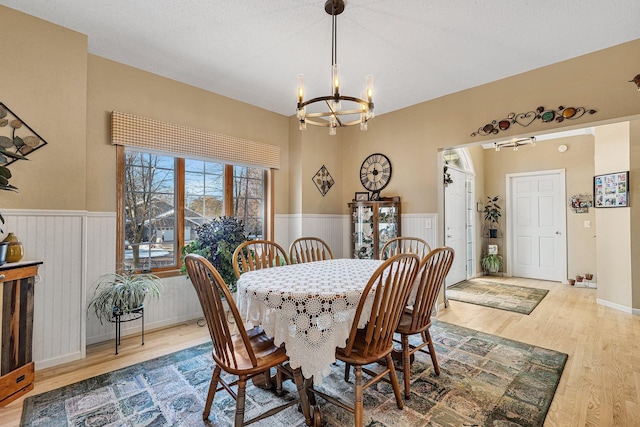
[
  {"x": 387, "y": 225},
  {"x": 373, "y": 223},
  {"x": 363, "y": 232}
]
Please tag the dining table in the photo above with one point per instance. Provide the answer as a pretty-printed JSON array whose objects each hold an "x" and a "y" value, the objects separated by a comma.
[{"x": 310, "y": 307}]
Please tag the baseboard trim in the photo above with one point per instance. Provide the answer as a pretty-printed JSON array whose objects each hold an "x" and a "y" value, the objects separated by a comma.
[{"x": 618, "y": 307}]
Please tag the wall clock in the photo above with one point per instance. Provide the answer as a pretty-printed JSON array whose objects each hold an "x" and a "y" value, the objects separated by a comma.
[{"x": 375, "y": 173}]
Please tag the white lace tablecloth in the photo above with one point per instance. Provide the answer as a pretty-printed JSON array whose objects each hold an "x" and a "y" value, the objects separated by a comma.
[{"x": 310, "y": 307}]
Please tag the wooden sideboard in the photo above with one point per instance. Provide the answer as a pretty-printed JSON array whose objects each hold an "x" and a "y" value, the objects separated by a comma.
[{"x": 16, "y": 365}]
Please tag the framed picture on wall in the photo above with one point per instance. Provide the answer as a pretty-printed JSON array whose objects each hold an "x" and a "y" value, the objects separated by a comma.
[{"x": 611, "y": 190}]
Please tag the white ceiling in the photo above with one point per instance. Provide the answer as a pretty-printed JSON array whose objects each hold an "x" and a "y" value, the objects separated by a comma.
[{"x": 417, "y": 50}]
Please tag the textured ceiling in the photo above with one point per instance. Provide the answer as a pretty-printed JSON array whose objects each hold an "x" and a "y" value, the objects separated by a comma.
[{"x": 417, "y": 50}]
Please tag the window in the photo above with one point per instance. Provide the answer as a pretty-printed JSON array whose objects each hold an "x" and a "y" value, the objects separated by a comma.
[
  {"x": 165, "y": 198},
  {"x": 248, "y": 199}
]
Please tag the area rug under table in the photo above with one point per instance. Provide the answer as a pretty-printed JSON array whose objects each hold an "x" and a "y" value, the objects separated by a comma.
[
  {"x": 520, "y": 299},
  {"x": 485, "y": 380}
]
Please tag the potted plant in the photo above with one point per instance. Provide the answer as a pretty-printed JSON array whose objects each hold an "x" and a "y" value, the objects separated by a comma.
[
  {"x": 122, "y": 293},
  {"x": 491, "y": 263},
  {"x": 5, "y": 175},
  {"x": 492, "y": 214},
  {"x": 217, "y": 240}
]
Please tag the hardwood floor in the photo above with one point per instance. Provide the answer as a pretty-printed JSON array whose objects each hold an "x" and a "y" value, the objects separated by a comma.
[{"x": 600, "y": 385}]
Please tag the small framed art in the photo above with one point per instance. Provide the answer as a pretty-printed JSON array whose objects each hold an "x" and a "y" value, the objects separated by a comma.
[
  {"x": 611, "y": 190},
  {"x": 361, "y": 196}
]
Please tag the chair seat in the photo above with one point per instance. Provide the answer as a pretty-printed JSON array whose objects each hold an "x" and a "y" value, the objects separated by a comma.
[
  {"x": 357, "y": 356},
  {"x": 266, "y": 352},
  {"x": 404, "y": 327}
]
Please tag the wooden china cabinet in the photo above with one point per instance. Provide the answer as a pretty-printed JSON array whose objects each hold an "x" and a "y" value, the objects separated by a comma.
[{"x": 373, "y": 223}]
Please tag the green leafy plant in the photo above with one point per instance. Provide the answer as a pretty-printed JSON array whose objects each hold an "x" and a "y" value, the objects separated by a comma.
[
  {"x": 5, "y": 175},
  {"x": 217, "y": 240},
  {"x": 122, "y": 293},
  {"x": 491, "y": 263},
  {"x": 492, "y": 211}
]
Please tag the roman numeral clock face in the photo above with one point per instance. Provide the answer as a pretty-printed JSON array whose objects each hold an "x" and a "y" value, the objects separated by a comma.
[{"x": 375, "y": 173}]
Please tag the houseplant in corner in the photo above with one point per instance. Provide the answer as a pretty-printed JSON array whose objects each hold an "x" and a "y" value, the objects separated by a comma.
[
  {"x": 122, "y": 293},
  {"x": 492, "y": 214},
  {"x": 491, "y": 263},
  {"x": 5, "y": 174}
]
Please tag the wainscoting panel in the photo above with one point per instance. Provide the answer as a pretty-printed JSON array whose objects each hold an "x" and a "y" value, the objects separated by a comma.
[
  {"x": 56, "y": 239},
  {"x": 329, "y": 228},
  {"x": 424, "y": 226}
]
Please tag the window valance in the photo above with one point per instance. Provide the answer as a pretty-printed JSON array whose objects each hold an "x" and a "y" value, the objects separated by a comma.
[{"x": 141, "y": 132}]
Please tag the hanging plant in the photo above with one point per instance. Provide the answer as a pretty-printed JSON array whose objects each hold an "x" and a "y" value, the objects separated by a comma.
[{"x": 447, "y": 176}]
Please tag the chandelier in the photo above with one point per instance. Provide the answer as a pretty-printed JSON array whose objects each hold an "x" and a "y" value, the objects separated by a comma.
[
  {"x": 357, "y": 111},
  {"x": 515, "y": 143}
]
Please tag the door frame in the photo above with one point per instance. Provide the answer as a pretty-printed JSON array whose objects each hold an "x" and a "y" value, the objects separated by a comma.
[{"x": 563, "y": 207}]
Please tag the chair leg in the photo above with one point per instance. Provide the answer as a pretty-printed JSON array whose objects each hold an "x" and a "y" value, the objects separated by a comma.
[
  {"x": 240, "y": 401},
  {"x": 432, "y": 352},
  {"x": 406, "y": 366},
  {"x": 347, "y": 371},
  {"x": 359, "y": 405},
  {"x": 394, "y": 381},
  {"x": 212, "y": 392}
]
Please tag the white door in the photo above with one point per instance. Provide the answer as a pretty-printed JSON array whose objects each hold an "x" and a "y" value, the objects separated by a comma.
[
  {"x": 455, "y": 225},
  {"x": 537, "y": 231}
]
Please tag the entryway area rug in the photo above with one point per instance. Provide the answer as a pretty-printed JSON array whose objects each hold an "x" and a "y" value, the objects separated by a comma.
[
  {"x": 485, "y": 380},
  {"x": 520, "y": 299}
]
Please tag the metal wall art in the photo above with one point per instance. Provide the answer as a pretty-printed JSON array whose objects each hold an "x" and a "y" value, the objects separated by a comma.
[
  {"x": 17, "y": 139},
  {"x": 636, "y": 80},
  {"x": 323, "y": 180},
  {"x": 525, "y": 119}
]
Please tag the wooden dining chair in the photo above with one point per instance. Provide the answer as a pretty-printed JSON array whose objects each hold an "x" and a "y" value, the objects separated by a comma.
[
  {"x": 401, "y": 245},
  {"x": 308, "y": 249},
  {"x": 417, "y": 319},
  {"x": 245, "y": 354},
  {"x": 258, "y": 254},
  {"x": 390, "y": 286}
]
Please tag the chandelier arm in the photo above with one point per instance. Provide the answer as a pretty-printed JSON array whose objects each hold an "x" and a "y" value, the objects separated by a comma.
[{"x": 369, "y": 105}]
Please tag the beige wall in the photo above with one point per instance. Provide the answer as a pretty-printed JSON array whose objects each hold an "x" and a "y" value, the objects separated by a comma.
[
  {"x": 578, "y": 162},
  {"x": 613, "y": 246},
  {"x": 44, "y": 82},
  {"x": 634, "y": 202},
  {"x": 117, "y": 87},
  {"x": 412, "y": 136}
]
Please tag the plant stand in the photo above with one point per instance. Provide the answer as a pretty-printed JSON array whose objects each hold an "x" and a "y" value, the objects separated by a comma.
[{"x": 118, "y": 318}]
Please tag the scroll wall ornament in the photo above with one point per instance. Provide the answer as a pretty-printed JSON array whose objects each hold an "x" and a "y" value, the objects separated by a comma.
[
  {"x": 323, "y": 180},
  {"x": 525, "y": 119},
  {"x": 17, "y": 139},
  {"x": 636, "y": 81}
]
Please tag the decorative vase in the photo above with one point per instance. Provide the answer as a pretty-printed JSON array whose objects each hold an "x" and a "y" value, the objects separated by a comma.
[
  {"x": 588, "y": 276},
  {"x": 572, "y": 282},
  {"x": 3, "y": 252},
  {"x": 579, "y": 278},
  {"x": 493, "y": 233},
  {"x": 15, "y": 251}
]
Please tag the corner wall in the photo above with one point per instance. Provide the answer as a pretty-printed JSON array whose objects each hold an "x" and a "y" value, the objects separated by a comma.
[{"x": 613, "y": 245}]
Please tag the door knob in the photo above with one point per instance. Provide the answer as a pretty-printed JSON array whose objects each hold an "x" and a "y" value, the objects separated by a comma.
[{"x": 557, "y": 232}]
